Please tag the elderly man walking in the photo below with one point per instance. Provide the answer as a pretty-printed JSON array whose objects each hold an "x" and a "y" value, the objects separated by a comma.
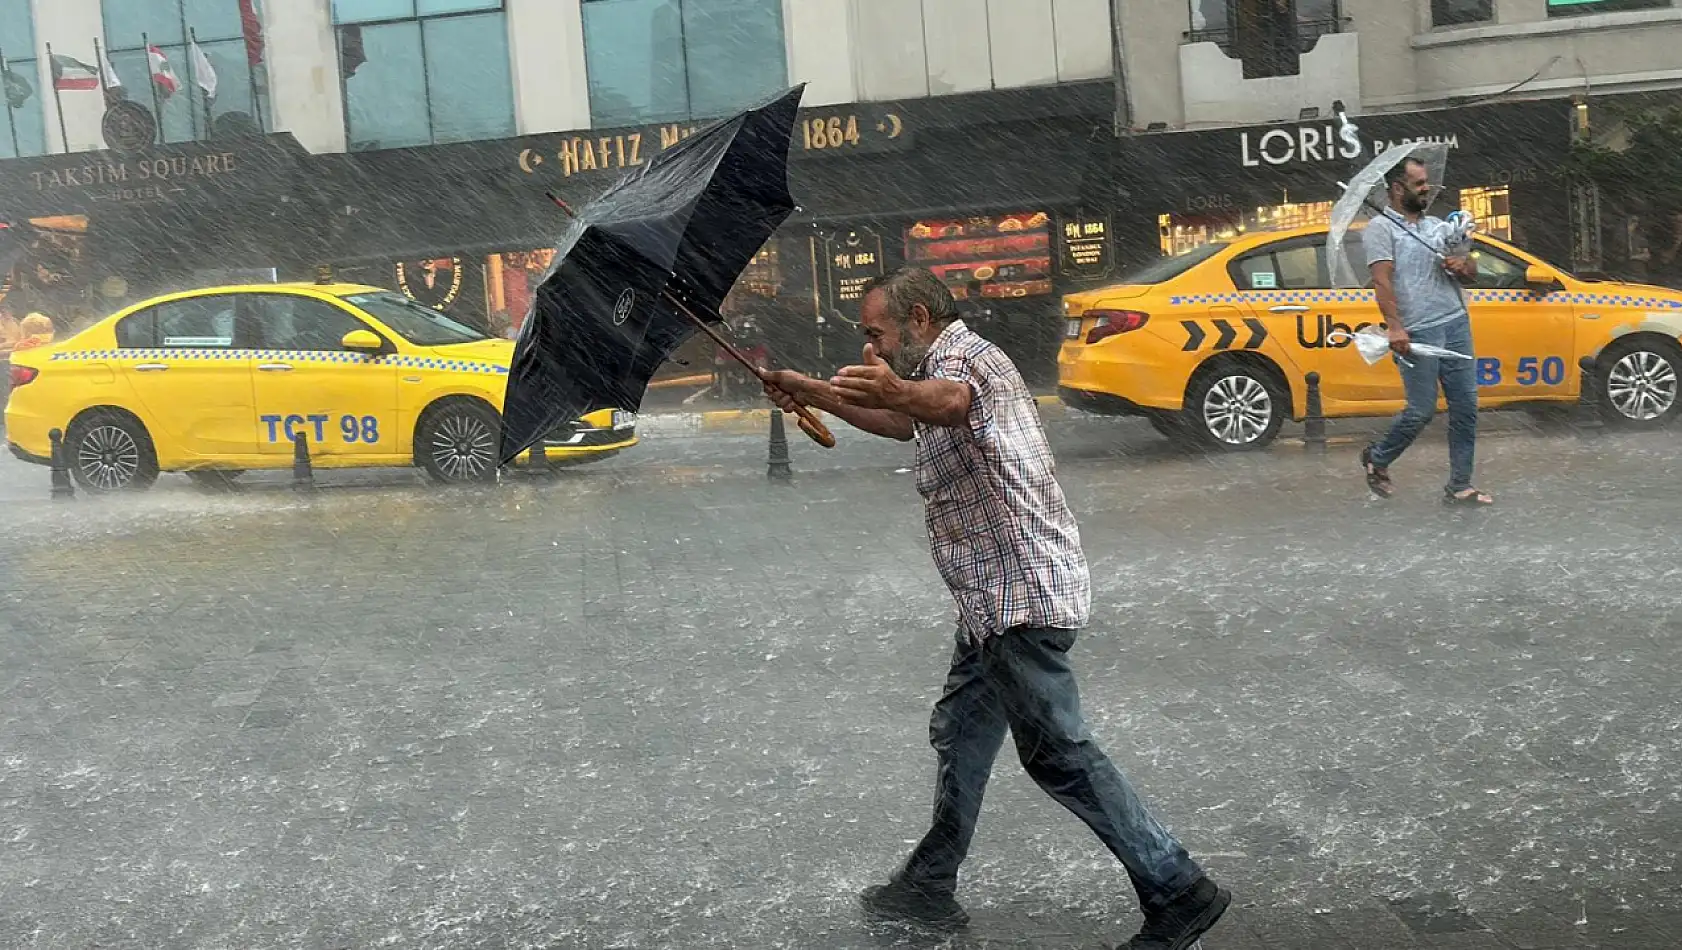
[{"x": 1007, "y": 545}]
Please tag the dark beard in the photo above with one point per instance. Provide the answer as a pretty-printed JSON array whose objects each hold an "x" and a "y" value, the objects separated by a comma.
[{"x": 1415, "y": 203}]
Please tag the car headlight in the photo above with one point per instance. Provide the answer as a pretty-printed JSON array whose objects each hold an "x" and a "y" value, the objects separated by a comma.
[{"x": 623, "y": 419}]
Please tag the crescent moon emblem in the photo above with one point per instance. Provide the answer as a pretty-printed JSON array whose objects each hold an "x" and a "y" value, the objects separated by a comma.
[
  {"x": 528, "y": 158},
  {"x": 898, "y": 127}
]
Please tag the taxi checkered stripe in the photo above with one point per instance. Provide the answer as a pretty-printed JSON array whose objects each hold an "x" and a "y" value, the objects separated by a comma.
[
  {"x": 296, "y": 356},
  {"x": 1478, "y": 296}
]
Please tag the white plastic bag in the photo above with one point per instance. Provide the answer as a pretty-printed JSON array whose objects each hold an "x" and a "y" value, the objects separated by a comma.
[{"x": 1374, "y": 346}]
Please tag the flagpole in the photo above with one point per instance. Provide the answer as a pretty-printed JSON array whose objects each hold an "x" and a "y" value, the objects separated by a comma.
[
  {"x": 187, "y": 54},
  {"x": 58, "y": 100},
  {"x": 157, "y": 108},
  {"x": 11, "y": 120},
  {"x": 256, "y": 101}
]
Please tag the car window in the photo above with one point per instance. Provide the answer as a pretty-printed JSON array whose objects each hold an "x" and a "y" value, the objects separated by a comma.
[
  {"x": 1286, "y": 266},
  {"x": 1167, "y": 268},
  {"x": 420, "y": 325},
  {"x": 195, "y": 323},
  {"x": 138, "y": 330},
  {"x": 293, "y": 322},
  {"x": 1497, "y": 270}
]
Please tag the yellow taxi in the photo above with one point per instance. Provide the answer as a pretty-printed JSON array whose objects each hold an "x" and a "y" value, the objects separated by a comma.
[
  {"x": 1214, "y": 345},
  {"x": 218, "y": 381}
]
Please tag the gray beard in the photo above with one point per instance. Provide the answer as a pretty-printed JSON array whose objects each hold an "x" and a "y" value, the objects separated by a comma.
[{"x": 909, "y": 359}]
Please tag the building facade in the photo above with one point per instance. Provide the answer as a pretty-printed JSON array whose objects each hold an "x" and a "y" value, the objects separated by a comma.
[{"x": 1021, "y": 148}]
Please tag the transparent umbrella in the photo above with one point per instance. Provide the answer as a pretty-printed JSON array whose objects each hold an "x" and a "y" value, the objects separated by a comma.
[{"x": 1367, "y": 194}]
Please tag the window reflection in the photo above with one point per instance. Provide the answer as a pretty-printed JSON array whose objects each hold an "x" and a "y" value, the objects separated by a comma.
[
  {"x": 424, "y": 80},
  {"x": 671, "y": 60}
]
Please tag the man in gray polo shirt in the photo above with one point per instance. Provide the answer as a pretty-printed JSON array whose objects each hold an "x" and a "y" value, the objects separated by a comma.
[{"x": 1416, "y": 277}]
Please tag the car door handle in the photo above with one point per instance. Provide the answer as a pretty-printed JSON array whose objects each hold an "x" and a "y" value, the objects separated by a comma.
[
  {"x": 1288, "y": 308},
  {"x": 151, "y": 367},
  {"x": 276, "y": 367}
]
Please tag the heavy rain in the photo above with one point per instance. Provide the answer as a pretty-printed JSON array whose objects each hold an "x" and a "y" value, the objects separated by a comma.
[{"x": 840, "y": 474}]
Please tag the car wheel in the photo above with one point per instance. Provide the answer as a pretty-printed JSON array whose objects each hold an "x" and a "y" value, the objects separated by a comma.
[
  {"x": 1641, "y": 377},
  {"x": 110, "y": 451},
  {"x": 1168, "y": 425},
  {"x": 457, "y": 442},
  {"x": 1233, "y": 407}
]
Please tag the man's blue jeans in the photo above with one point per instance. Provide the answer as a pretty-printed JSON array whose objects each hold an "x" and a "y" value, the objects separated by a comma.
[
  {"x": 1458, "y": 379},
  {"x": 1021, "y": 681}
]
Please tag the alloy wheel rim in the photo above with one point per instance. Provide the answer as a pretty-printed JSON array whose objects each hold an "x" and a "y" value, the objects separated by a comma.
[
  {"x": 462, "y": 447},
  {"x": 1642, "y": 386},
  {"x": 1237, "y": 410},
  {"x": 108, "y": 457}
]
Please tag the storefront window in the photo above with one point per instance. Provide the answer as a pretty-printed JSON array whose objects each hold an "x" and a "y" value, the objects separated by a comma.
[
  {"x": 1178, "y": 233},
  {"x": 1491, "y": 208},
  {"x": 1580, "y": 7},
  {"x": 424, "y": 72},
  {"x": 511, "y": 281},
  {"x": 1009, "y": 254},
  {"x": 26, "y": 130},
  {"x": 673, "y": 60},
  {"x": 184, "y": 114}
]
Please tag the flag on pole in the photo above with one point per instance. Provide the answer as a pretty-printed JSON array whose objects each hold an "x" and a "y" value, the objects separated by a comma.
[
  {"x": 252, "y": 28},
  {"x": 112, "y": 83},
  {"x": 18, "y": 89},
  {"x": 70, "y": 73},
  {"x": 162, "y": 75},
  {"x": 203, "y": 72}
]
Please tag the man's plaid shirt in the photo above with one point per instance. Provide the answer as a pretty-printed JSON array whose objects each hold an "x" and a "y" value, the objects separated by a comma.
[{"x": 1001, "y": 532}]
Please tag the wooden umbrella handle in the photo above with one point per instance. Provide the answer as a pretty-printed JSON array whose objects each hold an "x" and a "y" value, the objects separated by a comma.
[{"x": 809, "y": 422}]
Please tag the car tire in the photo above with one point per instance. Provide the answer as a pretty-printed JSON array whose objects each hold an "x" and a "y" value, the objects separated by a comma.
[
  {"x": 457, "y": 442},
  {"x": 109, "y": 451},
  {"x": 1169, "y": 426},
  {"x": 1233, "y": 407},
  {"x": 1641, "y": 380}
]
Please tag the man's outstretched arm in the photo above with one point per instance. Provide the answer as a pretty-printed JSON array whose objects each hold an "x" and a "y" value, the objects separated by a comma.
[{"x": 787, "y": 386}]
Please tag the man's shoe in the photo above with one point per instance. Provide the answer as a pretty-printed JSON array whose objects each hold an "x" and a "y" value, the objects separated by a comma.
[
  {"x": 1186, "y": 918},
  {"x": 902, "y": 901}
]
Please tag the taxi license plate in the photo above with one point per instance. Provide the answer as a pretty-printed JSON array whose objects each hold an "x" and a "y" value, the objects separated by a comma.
[{"x": 1072, "y": 330}]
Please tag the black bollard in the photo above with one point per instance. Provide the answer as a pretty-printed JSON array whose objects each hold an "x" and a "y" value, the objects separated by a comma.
[
  {"x": 1314, "y": 423},
  {"x": 63, "y": 490},
  {"x": 778, "y": 467},
  {"x": 1588, "y": 421},
  {"x": 538, "y": 461},
  {"x": 303, "y": 474}
]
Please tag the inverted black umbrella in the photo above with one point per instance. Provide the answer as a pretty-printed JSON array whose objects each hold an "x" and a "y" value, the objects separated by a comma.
[{"x": 644, "y": 266}]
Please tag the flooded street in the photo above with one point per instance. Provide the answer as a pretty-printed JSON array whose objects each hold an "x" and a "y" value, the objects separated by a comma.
[{"x": 657, "y": 701}]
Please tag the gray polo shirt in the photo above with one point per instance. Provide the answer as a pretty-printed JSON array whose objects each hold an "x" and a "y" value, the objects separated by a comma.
[{"x": 1426, "y": 295}]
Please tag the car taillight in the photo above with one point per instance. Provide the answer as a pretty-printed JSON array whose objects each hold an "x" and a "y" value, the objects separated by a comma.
[
  {"x": 1108, "y": 323},
  {"x": 23, "y": 374}
]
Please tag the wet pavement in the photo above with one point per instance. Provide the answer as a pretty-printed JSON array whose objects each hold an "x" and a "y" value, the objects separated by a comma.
[{"x": 658, "y": 702}]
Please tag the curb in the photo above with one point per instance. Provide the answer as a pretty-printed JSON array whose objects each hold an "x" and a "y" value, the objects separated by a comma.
[{"x": 754, "y": 421}]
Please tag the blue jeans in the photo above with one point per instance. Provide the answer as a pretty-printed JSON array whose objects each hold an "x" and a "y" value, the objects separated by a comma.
[
  {"x": 1021, "y": 681},
  {"x": 1458, "y": 379}
]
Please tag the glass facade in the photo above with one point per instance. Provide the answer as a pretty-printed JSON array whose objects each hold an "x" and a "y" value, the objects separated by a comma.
[
  {"x": 675, "y": 60},
  {"x": 25, "y": 132},
  {"x": 424, "y": 72},
  {"x": 185, "y": 114}
]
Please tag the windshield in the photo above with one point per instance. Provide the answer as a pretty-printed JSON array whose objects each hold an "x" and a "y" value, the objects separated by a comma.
[
  {"x": 1168, "y": 268},
  {"x": 420, "y": 325}
]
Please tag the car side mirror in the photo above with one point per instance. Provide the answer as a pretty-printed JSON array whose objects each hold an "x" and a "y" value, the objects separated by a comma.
[
  {"x": 1540, "y": 278},
  {"x": 362, "y": 341}
]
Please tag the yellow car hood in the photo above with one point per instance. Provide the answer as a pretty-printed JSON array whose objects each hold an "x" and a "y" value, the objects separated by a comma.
[{"x": 486, "y": 351}]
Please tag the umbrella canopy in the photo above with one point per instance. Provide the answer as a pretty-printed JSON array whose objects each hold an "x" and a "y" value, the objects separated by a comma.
[
  {"x": 1368, "y": 194},
  {"x": 685, "y": 225}
]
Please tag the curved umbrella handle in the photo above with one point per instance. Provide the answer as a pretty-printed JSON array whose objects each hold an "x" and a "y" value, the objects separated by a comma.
[{"x": 810, "y": 425}]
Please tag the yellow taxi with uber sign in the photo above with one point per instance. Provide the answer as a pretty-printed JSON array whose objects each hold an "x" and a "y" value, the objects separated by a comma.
[
  {"x": 1213, "y": 345},
  {"x": 217, "y": 381}
]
